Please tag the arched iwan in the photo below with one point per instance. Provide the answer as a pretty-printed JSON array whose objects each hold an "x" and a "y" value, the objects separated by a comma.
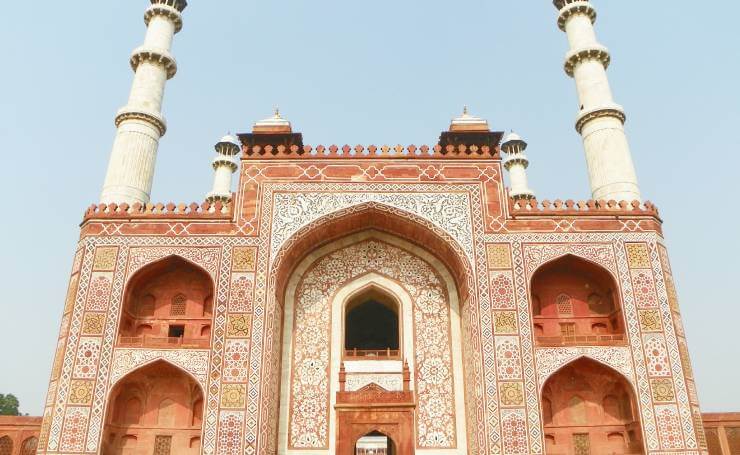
[{"x": 152, "y": 407}]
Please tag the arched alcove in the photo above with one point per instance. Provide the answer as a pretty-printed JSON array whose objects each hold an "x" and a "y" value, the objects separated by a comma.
[
  {"x": 383, "y": 273},
  {"x": 576, "y": 302},
  {"x": 590, "y": 408},
  {"x": 29, "y": 446},
  {"x": 375, "y": 443},
  {"x": 6, "y": 445},
  {"x": 167, "y": 304},
  {"x": 157, "y": 405},
  {"x": 372, "y": 326}
]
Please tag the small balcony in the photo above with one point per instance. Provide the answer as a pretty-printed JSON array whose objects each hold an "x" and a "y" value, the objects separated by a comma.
[
  {"x": 372, "y": 354},
  {"x": 149, "y": 341},
  {"x": 616, "y": 339}
]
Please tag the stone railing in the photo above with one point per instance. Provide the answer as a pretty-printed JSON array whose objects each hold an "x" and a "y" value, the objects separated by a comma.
[
  {"x": 532, "y": 207},
  {"x": 163, "y": 342},
  {"x": 582, "y": 340},
  {"x": 206, "y": 210},
  {"x": 371, "y": 152},
  {"x": 372, "y": 354}
]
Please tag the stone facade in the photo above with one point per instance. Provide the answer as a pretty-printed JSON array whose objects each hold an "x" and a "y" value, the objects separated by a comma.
[
  {"x": 436, "y": 222},
  {"x": 523, "y": 327}
]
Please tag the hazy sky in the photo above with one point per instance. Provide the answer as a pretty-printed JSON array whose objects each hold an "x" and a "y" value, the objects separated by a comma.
[{"x": 370, "y": 72}]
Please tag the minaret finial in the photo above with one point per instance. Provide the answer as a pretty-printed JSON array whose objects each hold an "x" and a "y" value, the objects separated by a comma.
[
  {"x": 465, "y": 109},
  {"x": 277, "y": 112}
]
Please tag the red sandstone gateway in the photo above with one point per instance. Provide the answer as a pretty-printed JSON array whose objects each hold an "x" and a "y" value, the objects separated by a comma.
[{"x": 370, "y": 300}]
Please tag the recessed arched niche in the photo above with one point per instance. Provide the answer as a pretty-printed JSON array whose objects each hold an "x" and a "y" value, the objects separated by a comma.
[
  {"x": 375, "y": 443},
  {"x": 154, "y": 407},
  {"x": 372, "y": 326},
  {"x": 168, "y": 304},
  {"x": 590, "y": 408},
  {"x": 576, "y": 302}
]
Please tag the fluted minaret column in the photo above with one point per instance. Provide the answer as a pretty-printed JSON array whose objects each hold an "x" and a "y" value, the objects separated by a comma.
[
  {"x": 516, "y": 163},
  {"x": 600, "y": 121},
  {"x": 224, "y": 165},
  {"x": 140, "y": 123}
]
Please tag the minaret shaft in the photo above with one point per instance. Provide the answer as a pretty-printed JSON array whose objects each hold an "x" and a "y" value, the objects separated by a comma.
[
  {"x": 140, "y": 123},
  {"x": 600, "y": 121}
]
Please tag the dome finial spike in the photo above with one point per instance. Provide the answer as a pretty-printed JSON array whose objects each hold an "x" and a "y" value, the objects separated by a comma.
[
  {"x": 465, "y": 109},
  {"x": 277, "y": 112}
]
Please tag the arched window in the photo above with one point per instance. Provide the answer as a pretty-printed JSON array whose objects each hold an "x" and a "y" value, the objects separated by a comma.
[
  {"x": 179, "y": 305},
  {"x": 375, "y": 443},
  {"x": 372, "y": 328},
  {"x": 160, "y": 296},
  {"x": 564, "y": 304},
  {"x": 574, "y": 303}
]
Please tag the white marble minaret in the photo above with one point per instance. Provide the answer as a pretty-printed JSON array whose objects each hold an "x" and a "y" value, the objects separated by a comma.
[
  {"x": 140, "y": 123},
  {"x": 224, "y": 165},
  {"x": 600, "y": 120},
  {"x": 516, "y": 163}
]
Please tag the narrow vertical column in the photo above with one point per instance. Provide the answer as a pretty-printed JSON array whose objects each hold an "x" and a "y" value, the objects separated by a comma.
[
  {"x": 600, "y": 120},
  {"x": 516, "y": 163},
  {"x": 224, "y": 166},
  {"x": 140, "y": 123}
]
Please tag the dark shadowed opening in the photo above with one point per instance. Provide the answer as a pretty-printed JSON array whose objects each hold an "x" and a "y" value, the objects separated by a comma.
[{"x": 371, "y": 326}]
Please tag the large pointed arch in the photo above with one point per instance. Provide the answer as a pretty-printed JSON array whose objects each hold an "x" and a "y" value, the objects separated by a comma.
[
  {"x": 373, "y": 216},
  {"x": 576, "y": 301},
  {"x": 167, "y": 303},
  {"x": 142, "y": 392},
  {"x": 358, "y": 268},
  {"x": 589, "y": 407}
]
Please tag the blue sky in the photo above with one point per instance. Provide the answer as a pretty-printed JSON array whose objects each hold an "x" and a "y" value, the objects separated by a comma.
[{"x": 368, "y": 73}]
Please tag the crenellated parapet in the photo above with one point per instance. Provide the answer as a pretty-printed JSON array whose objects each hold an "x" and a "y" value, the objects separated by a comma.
[
  {"x": 372, "y": 152},
  {"x": 137, "y": 211},
  {"x": 559, "y": 208}
]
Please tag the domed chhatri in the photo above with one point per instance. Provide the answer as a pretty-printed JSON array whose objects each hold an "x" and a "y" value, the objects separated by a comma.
[{"x": 467, "y": 122}]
